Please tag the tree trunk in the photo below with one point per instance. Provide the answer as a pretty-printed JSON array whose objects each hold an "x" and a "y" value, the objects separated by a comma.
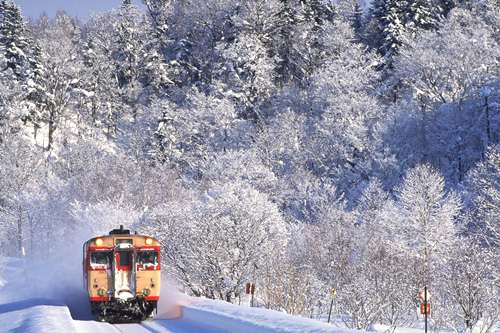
[
  {"x": 51, "y": 129},
  {"x": 30, "y": 220},
  {"x": 423, "y": 130},
  {"x": 460, "y": 168},
  {"x": 488, "y": 125},
  {"x": 20, "y": 231},
  {"x": 460, "y": 149}
]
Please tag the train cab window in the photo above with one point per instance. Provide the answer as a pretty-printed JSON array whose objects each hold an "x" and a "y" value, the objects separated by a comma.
[
  {"x": 147, "y": 260},
  {"x": 125, "y": 258},
  {"x": 100, "y": 259}
]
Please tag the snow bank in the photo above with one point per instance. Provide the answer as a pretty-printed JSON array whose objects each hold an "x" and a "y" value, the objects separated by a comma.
[
  {"x": 225, "y": 317},
  {"x": 182, "y": 313},
  {"x": 22, "y": 309},
  {"x": 35, "y": 316}
]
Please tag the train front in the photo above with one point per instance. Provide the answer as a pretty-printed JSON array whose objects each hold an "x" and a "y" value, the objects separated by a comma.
[{"x": 122, "y": 276}]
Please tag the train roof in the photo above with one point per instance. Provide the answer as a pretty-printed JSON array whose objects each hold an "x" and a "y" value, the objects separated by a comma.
[{"x": 122, "y": 233}]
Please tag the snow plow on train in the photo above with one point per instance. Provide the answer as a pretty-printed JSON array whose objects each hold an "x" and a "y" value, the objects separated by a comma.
[{"x": 121, "y": 273}]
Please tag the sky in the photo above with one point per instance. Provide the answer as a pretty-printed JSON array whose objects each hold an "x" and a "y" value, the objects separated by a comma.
[{"x": 80, "y": 8}]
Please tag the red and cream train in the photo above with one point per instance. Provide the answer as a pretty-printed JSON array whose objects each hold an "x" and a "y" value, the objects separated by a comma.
[{"x": 121, "y": 273}]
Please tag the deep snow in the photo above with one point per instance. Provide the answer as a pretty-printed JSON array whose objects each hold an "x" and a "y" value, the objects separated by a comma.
[{"x": 45, "y": 299}]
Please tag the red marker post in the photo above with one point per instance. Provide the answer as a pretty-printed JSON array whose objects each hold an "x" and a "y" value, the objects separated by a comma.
[
  {"x": 250, "y": 290},
  {"x": 425, "y": 306},
  {"x": 425, "y": 309}
]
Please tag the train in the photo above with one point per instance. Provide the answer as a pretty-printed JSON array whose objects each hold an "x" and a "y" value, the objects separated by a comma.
[{"x": 122, "y": 276}]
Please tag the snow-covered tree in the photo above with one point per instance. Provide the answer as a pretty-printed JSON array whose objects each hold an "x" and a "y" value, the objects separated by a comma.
[
  {"x": 470, "y": 63},
  {"x": 331, "y": 245},
  {"x": 240, "y": 166},
  {"x": 187, "y": 136},
  {"x": 140, "y": 68},
  {"x": 470, "y": 279},
  {"x": 297, "y": 42},
  {"x": 59, "y": 42},
  {"x": 22, "y": 63},
  {"x": 424, "y": 227},
  {"x": 484, "y": 180},
  {"x": 392, "y": 21},
  {"x": 20, "y": 167},
  {"x": 222, "y": 241},
  {"x": 371, "y": 202},
  {"x": 446, "y": 93},
  {"x": 252, "y": 71},
  {"x": 14, "y": 41},
  {"x": 97, "y": 92},
  {"x": 195, "y": 30},
  {"x": 128, "y": 52},
  {"x": 286, "y": 53},
  {"x": 345, "y": 114},
  {"x": 286, "y": 281}
]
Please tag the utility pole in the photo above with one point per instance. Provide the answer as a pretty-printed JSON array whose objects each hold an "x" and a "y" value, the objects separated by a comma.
[
  {"x": 426, "y": 279},
  {"x": 425, "y": 306},
  {"x": 426, "y": 273}
]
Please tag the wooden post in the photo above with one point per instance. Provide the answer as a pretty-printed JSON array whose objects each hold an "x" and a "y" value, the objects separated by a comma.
[
  {"x": 330, "y": 311},
  {"x": 333, "y": 294}
]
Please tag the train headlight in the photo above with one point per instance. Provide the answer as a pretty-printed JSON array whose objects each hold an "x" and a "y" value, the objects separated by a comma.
[
  {"x": 149, "y": 241},
  {"x": 101, "y": 292},
  {"x": 98, "y": 241},
  {"x": 146, "y": 292}
]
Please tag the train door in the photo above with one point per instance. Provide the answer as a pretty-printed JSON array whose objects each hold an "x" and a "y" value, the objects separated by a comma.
[{"x": 124, "y": 278}]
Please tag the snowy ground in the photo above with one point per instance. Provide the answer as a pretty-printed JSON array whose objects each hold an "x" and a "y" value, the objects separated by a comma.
[{"x": 31, "y": 304}]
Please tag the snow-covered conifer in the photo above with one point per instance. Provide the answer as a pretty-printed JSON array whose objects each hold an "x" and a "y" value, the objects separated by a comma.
[
  {"x": 14, "y": 40},
  {"x": 392, "y": 21}
]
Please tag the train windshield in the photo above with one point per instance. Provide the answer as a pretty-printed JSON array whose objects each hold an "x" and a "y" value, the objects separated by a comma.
[
  {"x": 125, "y": 258},
  {"x": 147, "y": 259},
  {"x": 101, "y": 259}
]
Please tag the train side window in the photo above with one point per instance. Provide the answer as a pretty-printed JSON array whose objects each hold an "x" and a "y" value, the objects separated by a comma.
[
  {"x": 147, "y": 258},
  {"x": 101, "y": 259}
]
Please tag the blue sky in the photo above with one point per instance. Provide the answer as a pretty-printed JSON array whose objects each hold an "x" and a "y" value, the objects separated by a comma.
[{"x": 80, "y": 8}]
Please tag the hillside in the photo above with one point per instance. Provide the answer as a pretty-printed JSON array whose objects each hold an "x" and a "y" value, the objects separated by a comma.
[{"x": 302, "y": 145}]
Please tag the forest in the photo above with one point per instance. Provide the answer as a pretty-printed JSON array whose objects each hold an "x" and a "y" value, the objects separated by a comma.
[{"x": 303, "y": 145}]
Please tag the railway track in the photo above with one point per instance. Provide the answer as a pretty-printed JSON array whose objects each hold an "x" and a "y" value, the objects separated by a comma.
[
  {"x": 133, "y": 328},
  {"x": 145, "y": 327}
]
